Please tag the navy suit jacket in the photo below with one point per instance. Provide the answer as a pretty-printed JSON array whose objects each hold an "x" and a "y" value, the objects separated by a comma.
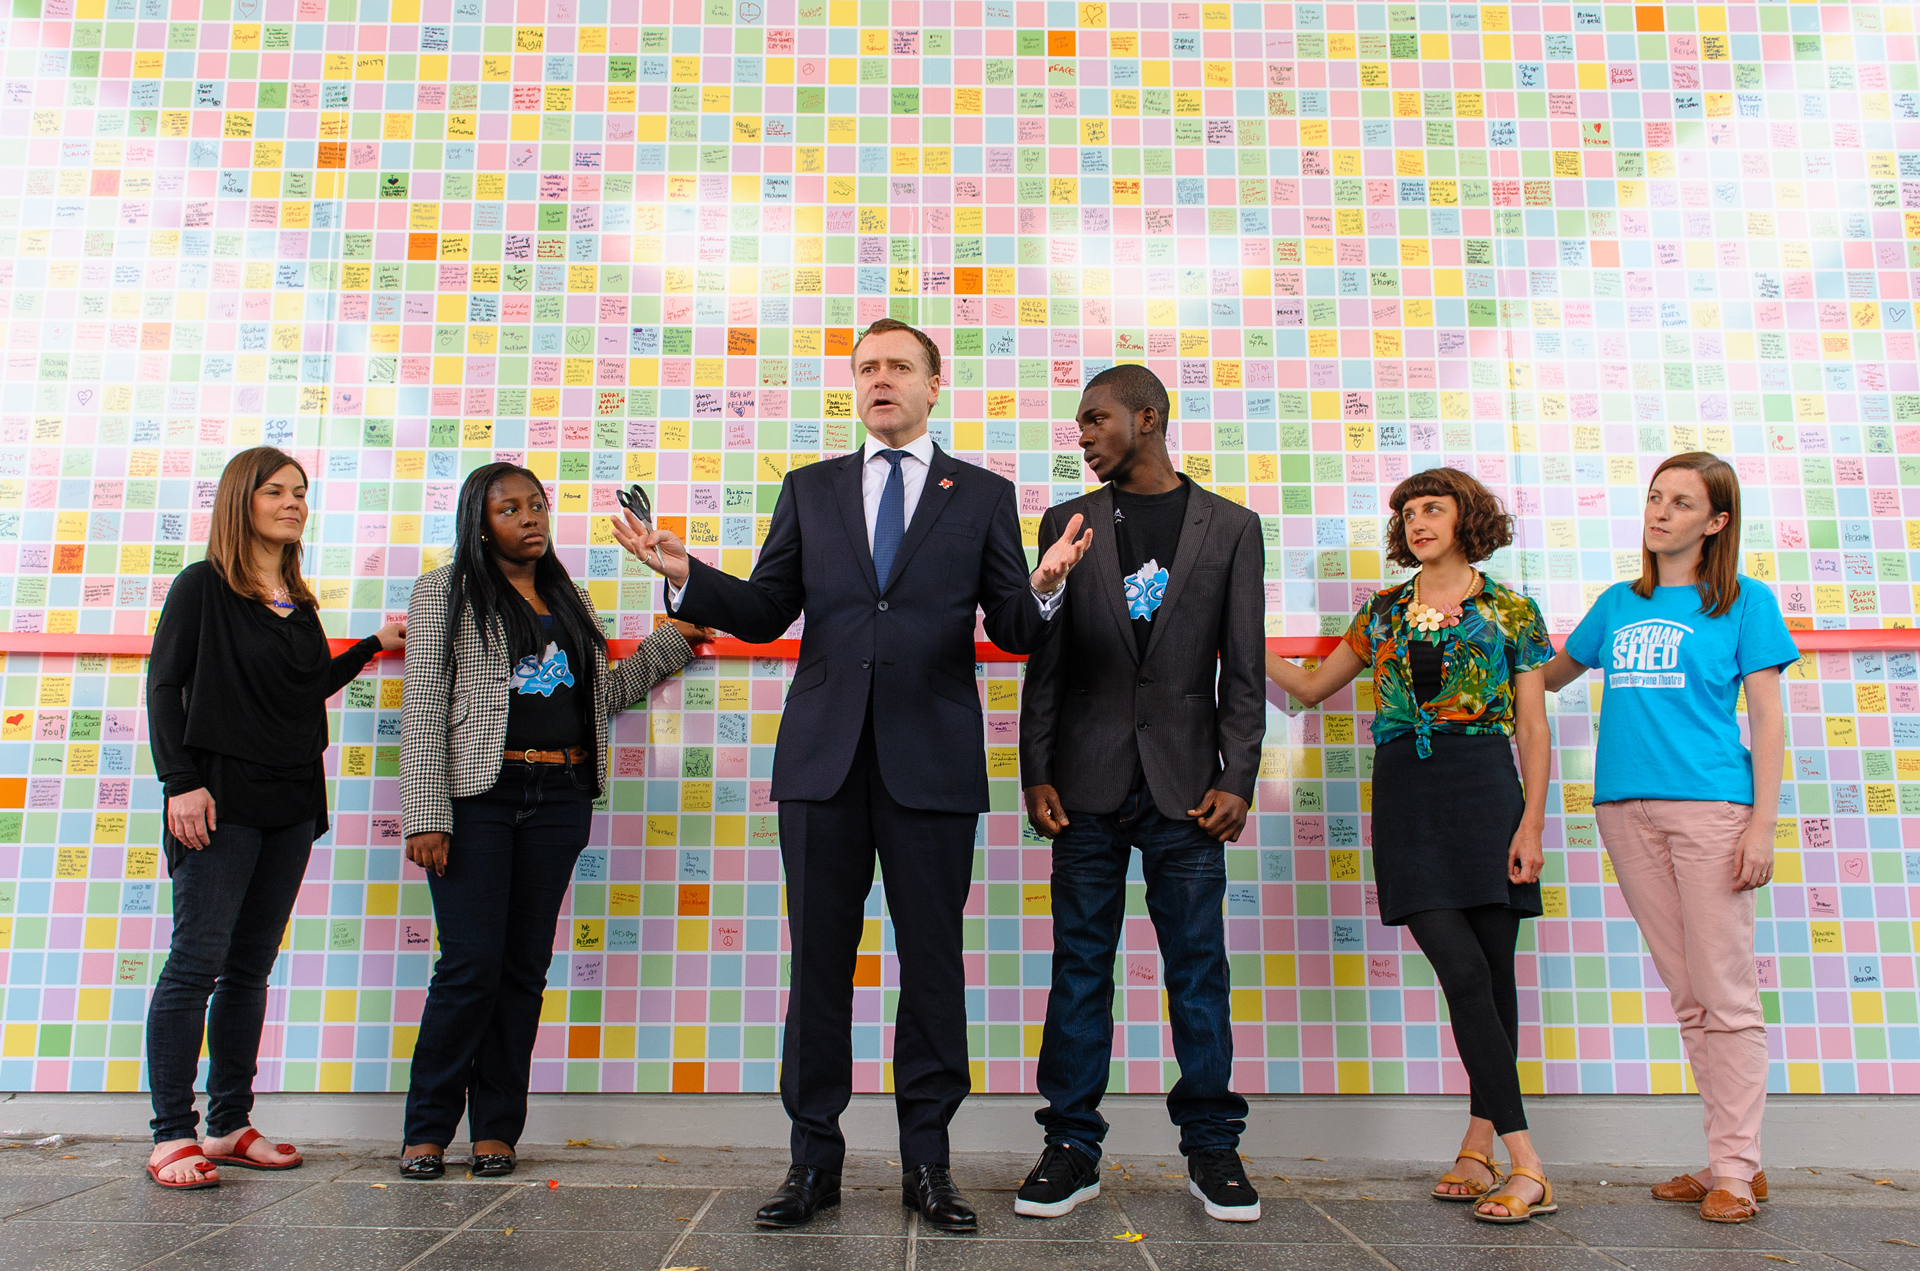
[{"x": 907, "y": 649}]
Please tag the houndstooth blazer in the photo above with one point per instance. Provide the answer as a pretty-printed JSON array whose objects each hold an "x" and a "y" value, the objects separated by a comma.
[{"x": 453, "y": 721}]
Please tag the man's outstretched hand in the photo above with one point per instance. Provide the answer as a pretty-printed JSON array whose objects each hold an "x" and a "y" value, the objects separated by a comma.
[
  {"x": 1062, "y": 557},
  {"x": 1221, "y": 815},
  {"x": 657, "y": 549}
]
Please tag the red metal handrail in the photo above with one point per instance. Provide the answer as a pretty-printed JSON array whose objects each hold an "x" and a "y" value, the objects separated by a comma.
[{"x": 1852, "y": 639}]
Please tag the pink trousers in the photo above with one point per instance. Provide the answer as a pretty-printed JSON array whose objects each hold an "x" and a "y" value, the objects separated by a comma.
[{"x": 1675, "y": 862}]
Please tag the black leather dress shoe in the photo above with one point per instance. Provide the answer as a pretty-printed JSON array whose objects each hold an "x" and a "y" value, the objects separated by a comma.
[
  {"x": 430, "y": 1166},
  {"x": 493, "y": 1164},
  {"x": 930, "y": 1189},
  {"x": 806, "y": 1192}
]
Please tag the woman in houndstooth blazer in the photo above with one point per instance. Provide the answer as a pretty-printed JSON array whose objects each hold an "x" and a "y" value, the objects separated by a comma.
[{"x": 503, "y": 750}]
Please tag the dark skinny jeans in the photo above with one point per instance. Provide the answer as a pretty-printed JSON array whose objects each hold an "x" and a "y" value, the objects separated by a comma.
[
  {"x": 231, "y": 902},
  {"x": 508, "y": 868}
]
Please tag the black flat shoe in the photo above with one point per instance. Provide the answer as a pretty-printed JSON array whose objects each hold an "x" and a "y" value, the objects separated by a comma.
[
  {"x": 930, "y": 1189},
  {"x": 493, "y": 1164},
  {"x": 423, "y": 1167},
  {"x": 806, "y": 1192}
]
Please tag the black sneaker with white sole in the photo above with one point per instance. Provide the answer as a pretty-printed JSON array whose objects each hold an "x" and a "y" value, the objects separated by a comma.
[
  {"x": 1062, "y": 1178},
  {"x": 1216, "y": 1177}
]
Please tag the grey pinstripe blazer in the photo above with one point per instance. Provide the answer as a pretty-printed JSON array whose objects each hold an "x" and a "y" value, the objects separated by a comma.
[{"x": 453, "y": 721}]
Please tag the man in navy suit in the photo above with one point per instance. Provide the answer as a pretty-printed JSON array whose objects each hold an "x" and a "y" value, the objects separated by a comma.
[{"x": 887, "y": 552}]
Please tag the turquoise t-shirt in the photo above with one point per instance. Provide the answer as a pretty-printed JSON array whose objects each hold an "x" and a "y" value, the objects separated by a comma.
[{"x": 1667, "y": 723}]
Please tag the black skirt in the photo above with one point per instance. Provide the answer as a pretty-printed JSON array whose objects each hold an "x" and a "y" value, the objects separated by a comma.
[{"x": 1442, "y": 826}]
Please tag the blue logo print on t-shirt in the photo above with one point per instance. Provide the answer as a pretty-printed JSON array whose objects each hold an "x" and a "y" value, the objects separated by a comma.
[
  {"x": 1146, "y": 588},
  {"x": 544, "y": 674}
]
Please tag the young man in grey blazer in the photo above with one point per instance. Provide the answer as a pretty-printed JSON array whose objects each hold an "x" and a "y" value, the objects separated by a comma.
[{"x": 1140, "y": 726}]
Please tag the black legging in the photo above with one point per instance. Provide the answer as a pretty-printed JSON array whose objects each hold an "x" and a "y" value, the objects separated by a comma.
[{"x": 1472, "y": 954}]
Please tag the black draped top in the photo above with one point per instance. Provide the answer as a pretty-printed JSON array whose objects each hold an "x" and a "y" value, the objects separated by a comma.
[{"x": 237, "y": 703}]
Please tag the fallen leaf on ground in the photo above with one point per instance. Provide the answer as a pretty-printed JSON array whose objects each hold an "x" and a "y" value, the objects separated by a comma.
[
  {"x": 683, "y": 1269},
  {"x": 1283, "y": 1178},
  {"x": 1369, "y": 1198},
  {"x": 381, "y": 1186},
  {"x": 1908, "y": 1243},
  {"x": 1774, "y": 1257},
  {"x": 1132, "y": 1237},
  {"x": 1173, "y": 1176},
  {"x": 579, "y": 1142},
  {"x": 895, "y": 1164},
  {"x": 1310, "y": 1158},
  {"x": 1878, "y": 1182},
  {"x": 1812, "y": 1170},
  {"x": 668, "y": 1159},
  {"x": 69, "y": 1158},
  {"x": 723, "y": 1149},
  {"x": 508, "y": 1232}
]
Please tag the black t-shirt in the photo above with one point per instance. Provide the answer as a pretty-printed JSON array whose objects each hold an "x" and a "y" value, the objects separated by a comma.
[
  {"x": 1429, "y": 672},
  {"x": 546, "y": 703},
  {"x": 1148, "y": 529}
]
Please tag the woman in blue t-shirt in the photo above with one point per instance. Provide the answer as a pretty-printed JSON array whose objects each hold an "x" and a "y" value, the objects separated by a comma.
[{"x": 1675, "y": 793}]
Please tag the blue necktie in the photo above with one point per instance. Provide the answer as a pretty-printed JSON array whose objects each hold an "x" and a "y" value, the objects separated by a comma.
[{"x": 891, "y": 525}]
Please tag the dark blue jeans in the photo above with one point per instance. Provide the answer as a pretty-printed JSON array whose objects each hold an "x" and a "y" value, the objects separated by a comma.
[
  {"x": 231, "y": 901},
  {"x": 1186, "y": 882},
  {"x": 508, "y": 868}
]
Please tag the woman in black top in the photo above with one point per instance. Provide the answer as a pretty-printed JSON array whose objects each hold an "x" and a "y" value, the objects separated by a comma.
[
  {"x": 237, "y": 691},
  {"x": 503, "y": 747}
]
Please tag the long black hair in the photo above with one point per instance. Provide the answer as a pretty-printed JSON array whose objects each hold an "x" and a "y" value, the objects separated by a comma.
[{"x": 478, "y": 582}]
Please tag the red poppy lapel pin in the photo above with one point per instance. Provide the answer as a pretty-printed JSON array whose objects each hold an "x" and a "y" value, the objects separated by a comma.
[{"x": 946, "y": 483}]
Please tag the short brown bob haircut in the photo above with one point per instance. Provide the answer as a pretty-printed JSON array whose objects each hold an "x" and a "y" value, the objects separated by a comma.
[
  {"x": 885, "y": 325},
  {"x": 231, "y": 538},
  {"x": 1483, "y": 528},
  {"x": 1718, "y": 574}
]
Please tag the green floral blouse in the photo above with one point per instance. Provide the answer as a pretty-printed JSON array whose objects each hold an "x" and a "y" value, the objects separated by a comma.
[{"x": 1501, "y": 634}]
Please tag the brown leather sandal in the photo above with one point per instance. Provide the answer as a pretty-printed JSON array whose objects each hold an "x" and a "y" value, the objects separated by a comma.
[
  {"x": 1519, "y": 1211},
  {"x": 1689, "y": 1190},
  {"x": 1722, "y": 1205},
  {"x": 1475, "y": 1188}
]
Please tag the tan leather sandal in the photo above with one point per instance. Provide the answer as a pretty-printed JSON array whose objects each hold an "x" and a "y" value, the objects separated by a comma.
[
  {"x": 1475, "y": 1188},
  {"x": 1722, "y": 1205},
  {"x": 1519, "y": 1211},
  {"x": 1689, "y": 1190}
]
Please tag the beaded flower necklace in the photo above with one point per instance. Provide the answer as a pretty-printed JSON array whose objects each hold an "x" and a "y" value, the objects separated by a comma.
[{"x": 1428, "y": 620}]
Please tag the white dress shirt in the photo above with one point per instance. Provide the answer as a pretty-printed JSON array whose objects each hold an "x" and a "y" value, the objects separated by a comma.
[{"x": 874, "y": 472}]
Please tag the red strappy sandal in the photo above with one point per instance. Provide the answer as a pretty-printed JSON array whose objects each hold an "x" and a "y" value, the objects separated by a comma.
[
  {"x": 240, "y": 1158},
  {"x": 203, "y": 1169}
]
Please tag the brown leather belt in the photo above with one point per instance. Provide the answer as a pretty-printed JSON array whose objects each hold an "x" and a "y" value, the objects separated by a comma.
[{"x": 577, "y": 754}]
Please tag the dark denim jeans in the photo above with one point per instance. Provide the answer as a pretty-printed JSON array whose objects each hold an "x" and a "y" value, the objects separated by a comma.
[
  {"x": 1186, "y": 875},
  {"x": 231, "y": 901},
  {"x": 508, "y": 869}
]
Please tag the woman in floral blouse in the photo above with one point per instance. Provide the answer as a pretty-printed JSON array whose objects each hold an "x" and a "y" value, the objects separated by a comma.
[{"x": 1457, "y": 673}]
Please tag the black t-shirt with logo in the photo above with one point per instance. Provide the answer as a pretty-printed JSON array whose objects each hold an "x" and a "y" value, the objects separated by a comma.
[
  {"x": 1147, "y": 527},
  {"x": 546, "y": 699}
]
